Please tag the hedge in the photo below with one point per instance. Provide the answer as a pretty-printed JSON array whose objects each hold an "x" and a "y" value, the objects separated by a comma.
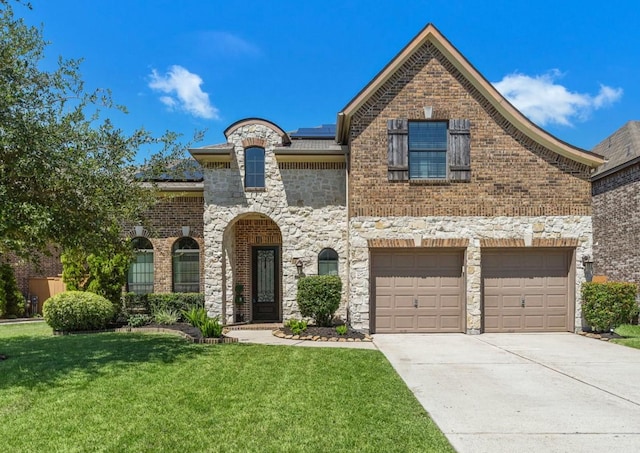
[
  {"x": 150, "y": 303},
  {"x": 607, "y": 305}
]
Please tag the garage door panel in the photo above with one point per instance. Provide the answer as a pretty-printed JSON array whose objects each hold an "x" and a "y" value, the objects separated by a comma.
[
  {"x": 539, "y": 276},
  {"x": 433, "y": 278}
]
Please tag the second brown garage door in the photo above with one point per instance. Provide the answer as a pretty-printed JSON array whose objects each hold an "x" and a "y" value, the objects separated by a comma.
[
  {"x": 526, "y": 290},
  {"x": 417, "y": 290}
]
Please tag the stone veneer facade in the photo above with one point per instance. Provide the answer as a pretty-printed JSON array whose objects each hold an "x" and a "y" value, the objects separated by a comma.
[
  {"x": 506, "y": 231},
  {"x": 304, "y": 202}
]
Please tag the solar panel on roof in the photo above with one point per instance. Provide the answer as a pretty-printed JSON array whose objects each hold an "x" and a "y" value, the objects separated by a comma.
[{"x": 324, "y": 131}]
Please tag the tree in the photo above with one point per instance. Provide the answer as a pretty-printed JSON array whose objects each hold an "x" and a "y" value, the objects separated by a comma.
[{"x": 67, "y": 175}]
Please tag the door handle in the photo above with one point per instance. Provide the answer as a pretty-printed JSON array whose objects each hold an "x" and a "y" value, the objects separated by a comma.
[
  {"x": 522, "y": 303},
  {"x": 415, "y": 303}
]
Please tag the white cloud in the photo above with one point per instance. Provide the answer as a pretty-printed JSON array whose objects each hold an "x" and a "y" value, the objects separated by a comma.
[
  {"x": 546, "y": 102},
  {"x": 182, "y": 92},
  {"x": 225, "y": 43}
]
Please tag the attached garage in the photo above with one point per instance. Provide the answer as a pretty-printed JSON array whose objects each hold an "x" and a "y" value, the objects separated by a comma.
[
  {"x": 417, "y": 290},
  {"x": 527, "y": 290}
]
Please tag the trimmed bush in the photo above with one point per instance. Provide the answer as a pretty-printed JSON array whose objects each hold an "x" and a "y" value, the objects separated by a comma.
[
  {"x": 158, "y": 302},
  {"x": 177, "y": 302},
  {"x": 12, "y": 302},
  {"x": 319, "y": 297},
  {"x": 607, "y": 305},
  {"x": 77, "y": 310}
]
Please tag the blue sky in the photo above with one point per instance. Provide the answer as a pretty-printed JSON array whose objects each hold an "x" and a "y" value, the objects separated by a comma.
[{"x": 572, "y": 66}]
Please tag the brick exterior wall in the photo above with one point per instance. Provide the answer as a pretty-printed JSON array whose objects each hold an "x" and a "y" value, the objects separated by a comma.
[
  {"x": 49, "y": 266},
  {"x": 510, "y": 174},
  {"x": 163, "y": 226},
  {"x": 616, "y": 216},
  {"x": 250, "y": 232}
]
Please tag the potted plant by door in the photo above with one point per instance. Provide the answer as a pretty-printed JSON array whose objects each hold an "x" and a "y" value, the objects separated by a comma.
[{"x": 239, "y": 300}]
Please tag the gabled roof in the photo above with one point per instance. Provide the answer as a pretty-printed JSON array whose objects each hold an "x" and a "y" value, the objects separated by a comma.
[
  {"x": 431, "y": 34},
  {"x": 621, "y": 149}
]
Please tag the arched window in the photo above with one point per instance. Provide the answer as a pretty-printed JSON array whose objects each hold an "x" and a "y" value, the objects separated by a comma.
[
  {"x": 327, "y": 262},
  {"x": 140, "y": 276},
  {"x": 254, "y": 167},
  {"x": 186, "y": 266}
]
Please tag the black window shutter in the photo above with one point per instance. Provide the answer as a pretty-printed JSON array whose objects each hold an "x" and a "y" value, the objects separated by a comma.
[
  {"x": 459, "y": 150},
  {"x": 398, "y": 149}
]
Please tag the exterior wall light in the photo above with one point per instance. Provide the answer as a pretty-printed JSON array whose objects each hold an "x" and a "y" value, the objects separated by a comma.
[{"x": 299, "y": 266}]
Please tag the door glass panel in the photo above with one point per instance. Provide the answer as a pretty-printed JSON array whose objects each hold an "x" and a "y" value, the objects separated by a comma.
[{"x": 265, "y": 276}]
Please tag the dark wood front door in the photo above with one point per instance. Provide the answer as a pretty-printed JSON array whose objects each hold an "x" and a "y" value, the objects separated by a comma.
[{"x": 265, "y": 284}]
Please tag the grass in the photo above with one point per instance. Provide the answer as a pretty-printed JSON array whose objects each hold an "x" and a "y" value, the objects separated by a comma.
[
  {"x": 631, "y": 334},
  {"x": 143, "y": 392}
]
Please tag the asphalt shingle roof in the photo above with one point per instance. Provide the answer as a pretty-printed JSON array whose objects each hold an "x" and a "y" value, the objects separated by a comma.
[{"x": 620, "y": 147}]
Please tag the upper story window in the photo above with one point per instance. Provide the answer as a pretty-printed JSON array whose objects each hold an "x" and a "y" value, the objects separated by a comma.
[
  {"x": 186, "y": 266},
  {"x": 140, "y": 275},
  {"x": 327, "y": 262},
  {"x": 427, "y": 150},
  {"x": 254, "y": 167}
]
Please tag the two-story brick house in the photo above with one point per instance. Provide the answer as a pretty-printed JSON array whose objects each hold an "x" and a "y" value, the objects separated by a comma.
[{"x": 441, "y": 207}]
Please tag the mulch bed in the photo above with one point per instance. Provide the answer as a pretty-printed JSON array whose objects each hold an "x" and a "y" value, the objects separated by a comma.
[
  {"x": 604, "y": 336},
  {"x": 314, "y": 333}
]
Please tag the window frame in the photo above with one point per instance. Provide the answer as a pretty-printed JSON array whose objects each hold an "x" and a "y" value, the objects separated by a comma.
[
  {"x": 251, "y": 174},
  {"x": 440, "y": 150},
  {"x": 146, "y": 277},
  {"x": 328, "y": 261},
  {"x": 185, "y": 285}
]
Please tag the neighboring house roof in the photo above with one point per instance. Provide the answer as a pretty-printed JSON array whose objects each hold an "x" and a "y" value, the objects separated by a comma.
[
  {"x": 621, "y": 149},
  {"x": 431, "y": 34}
]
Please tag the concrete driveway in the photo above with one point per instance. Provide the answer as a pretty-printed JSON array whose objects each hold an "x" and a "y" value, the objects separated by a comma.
[{"x": 523, "y": 392}]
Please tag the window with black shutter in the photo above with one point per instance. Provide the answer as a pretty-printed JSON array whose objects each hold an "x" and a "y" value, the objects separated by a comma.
[{"x": 429, "y": 150}]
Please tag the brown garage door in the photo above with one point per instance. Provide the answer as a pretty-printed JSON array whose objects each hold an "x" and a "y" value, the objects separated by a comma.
[
  {"x": 417, "y": 290},
  {"x": 527, "y": 290}
]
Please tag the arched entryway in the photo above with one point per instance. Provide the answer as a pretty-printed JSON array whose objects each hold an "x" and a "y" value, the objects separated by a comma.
[{"x": 253, "y": 274}]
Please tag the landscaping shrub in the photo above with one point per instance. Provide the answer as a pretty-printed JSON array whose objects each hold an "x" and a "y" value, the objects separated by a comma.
[
  {"x": 166, "y": 316},
  {"x": 139, "y": 320},
  {"x": 197, "y": 317},
  {"x": 12, "y": 303},
  {"x": 607, "y": 305},
  {"x": 211, "y": 328},
  {"x": 77, "y": 310},
  {"x": 135, "y": 304},
  {"x": 104, "y": 274},
  {"x": 151, "y": 303},
  {"x": 341, "y": 329},
  {"x": 319, "y": 297},
  {"x": 178, "y": 302},
  {"x": 297, "y": 326}
]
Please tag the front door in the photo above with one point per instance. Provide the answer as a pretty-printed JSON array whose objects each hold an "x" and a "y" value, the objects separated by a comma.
[{"x": 265, "y": 284}]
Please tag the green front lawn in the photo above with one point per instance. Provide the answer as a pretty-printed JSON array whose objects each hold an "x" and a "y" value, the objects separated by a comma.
[
  {"x": 142, "y": 392},
  {"x": 631, "y": 334}
]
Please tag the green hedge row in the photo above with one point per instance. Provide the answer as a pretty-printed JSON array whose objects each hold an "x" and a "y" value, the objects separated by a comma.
[
  {"x": 607, "y": 305},
  {"x": 150, "y": 303}
]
